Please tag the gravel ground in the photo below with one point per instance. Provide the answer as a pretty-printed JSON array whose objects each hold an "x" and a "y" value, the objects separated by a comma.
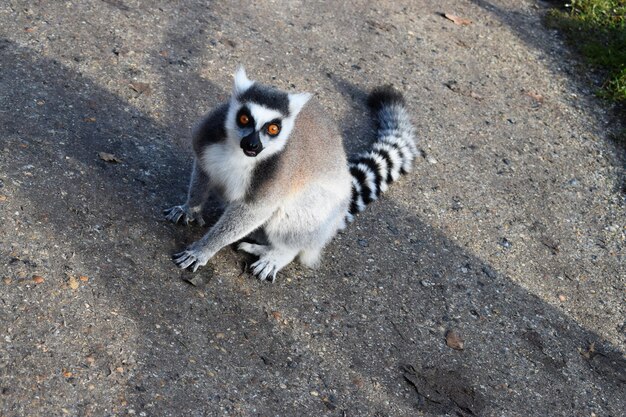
[{"x": 490, "y": 281}]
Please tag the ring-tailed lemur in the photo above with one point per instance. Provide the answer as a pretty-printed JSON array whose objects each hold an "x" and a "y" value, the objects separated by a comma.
[{"x": 279, "y": 164}]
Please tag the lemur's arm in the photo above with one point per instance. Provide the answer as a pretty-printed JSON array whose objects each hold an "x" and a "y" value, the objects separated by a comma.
[
  {"x": 199, "y": 189},
  {"x": 238, "y": 220},
  {"x": 210, "y": 130}
]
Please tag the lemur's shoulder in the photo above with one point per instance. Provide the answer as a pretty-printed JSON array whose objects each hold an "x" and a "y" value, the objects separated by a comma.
[{"x": 211, "y": 129}]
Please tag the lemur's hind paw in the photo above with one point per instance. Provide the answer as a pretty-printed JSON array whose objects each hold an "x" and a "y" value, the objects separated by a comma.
[
  {"x": 184, "y": 213},
  {"x": 270, "y": 262},
  {"x": 265, "y": 269}
]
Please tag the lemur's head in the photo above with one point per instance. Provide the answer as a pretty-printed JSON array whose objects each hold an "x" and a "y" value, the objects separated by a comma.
[{"x": 260, "y": 118}]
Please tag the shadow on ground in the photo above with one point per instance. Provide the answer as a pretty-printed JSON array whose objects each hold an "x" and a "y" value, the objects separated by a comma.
[{"x": 364, "y": 335}]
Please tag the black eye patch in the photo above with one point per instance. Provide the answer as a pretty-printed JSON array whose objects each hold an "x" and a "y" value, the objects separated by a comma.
[{"x": 244, "y": 118}]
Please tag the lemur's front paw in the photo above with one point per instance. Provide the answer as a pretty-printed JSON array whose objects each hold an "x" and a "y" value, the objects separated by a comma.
[
  {"x": 184, "y": 213},
  {"x": 191, "y": 258}
]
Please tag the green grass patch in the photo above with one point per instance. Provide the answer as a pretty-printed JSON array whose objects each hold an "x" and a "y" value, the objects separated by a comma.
[{"x": 597, "y": 29}]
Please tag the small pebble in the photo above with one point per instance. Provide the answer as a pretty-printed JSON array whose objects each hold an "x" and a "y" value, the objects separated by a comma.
[{"x": 505, "y": 243}]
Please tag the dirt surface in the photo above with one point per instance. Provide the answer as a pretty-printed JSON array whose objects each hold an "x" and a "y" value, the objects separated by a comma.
[{"x": 487, "y": 282}]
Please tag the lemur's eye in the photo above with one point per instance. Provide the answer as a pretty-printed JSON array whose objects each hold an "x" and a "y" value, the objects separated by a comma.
[
  {"x": 273, "y": 129},
  {"x": 243, "y": 119}
]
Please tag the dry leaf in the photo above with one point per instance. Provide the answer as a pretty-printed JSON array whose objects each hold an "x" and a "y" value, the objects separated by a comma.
[
  {"x": 461, "y": 21},
  {"x": 7, "y": 280},
  {"x": 141, "y": 88},
  {"x": 196, "y": 280},
  {"x": 587, "y": 354},
  {"x": 535, "y": 96},
  {"x": 276, "y": 315},
  {"x": 475, "y": 95},
  {"x": 109, "y": 157},
  {"x": 453, "y": 340},
  {"x": 386, "y": 27},
  {"x": 38, "y": 279},
  {"x": 90, "y": 119},
  {"x": 73, "y": 283},
  {"x": 3, "y": 197},
  {"x": 83, "y": 278},
  {"x": 228, "y": 42},
  {"x": 67, "y": 374}
]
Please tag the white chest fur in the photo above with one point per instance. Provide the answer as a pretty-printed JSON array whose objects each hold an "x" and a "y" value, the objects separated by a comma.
[{"x": 229, "y": 169}]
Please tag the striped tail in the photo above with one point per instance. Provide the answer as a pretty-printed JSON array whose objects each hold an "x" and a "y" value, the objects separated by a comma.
[{"x": 391, "y": 155}]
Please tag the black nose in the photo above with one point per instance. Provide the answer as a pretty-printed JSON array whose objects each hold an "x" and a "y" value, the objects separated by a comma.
[{"x": 251, "y": 143}]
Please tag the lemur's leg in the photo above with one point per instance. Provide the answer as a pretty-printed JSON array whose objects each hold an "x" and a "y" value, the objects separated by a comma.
[
  {"x": 199, "y": 188},
  {"x": 237, "y": 221},
  {"x": 252, "y": 248},
  {"x": 311, "y": 250},
  {"x": 310, "y": 257}
]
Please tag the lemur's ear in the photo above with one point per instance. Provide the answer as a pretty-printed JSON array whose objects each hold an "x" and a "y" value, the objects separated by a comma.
[
  {"x": 242, "y": 83},
  {"x": 297, "y": 101}
]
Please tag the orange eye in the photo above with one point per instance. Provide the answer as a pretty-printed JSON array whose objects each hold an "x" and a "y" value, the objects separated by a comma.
[
  {"x": 243, "y": 119},
  {"x": 273, "y": 129}
]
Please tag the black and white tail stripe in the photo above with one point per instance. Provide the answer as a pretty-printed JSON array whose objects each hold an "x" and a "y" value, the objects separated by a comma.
[{"x": 391, "y": 155}]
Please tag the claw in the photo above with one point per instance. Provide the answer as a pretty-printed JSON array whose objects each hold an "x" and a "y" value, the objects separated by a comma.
[
  {"x": 174, "y": 214},
  {"x": 188, "y": 262},
  {"x": 257, "y": 267},
  {"x": 179, "y": 258},
  {"x": 264, "y": 270}
]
